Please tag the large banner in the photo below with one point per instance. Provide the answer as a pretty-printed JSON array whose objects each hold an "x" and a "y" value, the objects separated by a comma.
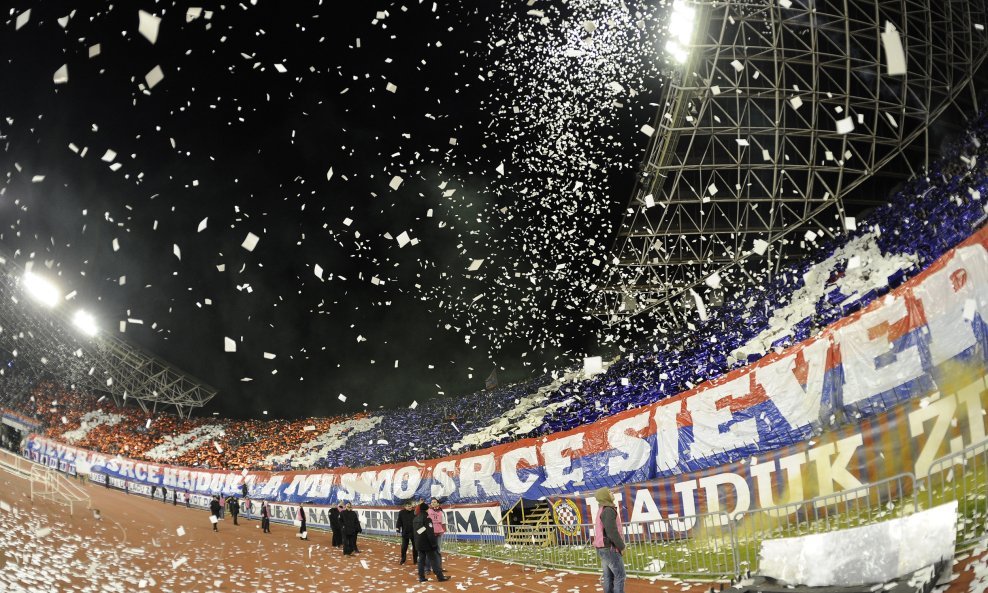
[
  {"x": 925, "y": 341},
  {"x": 480, "y": 521},
  {"x": 904, "y": 440},
  {"x": 467, "y": 521},
  {"x": 18, "y": 421}
]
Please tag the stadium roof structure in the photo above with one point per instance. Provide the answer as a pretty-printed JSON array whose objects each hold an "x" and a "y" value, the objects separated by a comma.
[
  {"x": 46, "y": 339},
  {"x": 780, "y": 116}
]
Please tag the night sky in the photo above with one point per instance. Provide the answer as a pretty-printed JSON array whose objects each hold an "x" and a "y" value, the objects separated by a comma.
[{"x": 506, "y": 132}]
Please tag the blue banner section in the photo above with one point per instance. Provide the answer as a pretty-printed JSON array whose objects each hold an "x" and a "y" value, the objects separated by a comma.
[{"x": 910, "y": 344}]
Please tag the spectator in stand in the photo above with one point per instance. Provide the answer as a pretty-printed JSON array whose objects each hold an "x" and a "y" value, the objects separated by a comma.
[
  {"x": 406, "y": 517},
  {"x": 300, "y": 521},
  {"x": 608, "y": 542},
  {"x": 438, "y": 518},
  {"x": 265, "y": 517},
  {"x": 334, "y": 524},
  {"x": 234, "y": 506},
  {"x": 351, "y": 527},
  {"x": 214, "y": 511},
  {"x": 427, "y": 545}
]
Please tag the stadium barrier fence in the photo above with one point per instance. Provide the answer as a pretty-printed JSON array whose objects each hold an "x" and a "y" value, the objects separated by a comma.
[
  {"x": 962, "y": 476},
  {"x": 701, "y": 545},
  {"x": 891, "y": 498},
  {"x": 46, "y": 483}
]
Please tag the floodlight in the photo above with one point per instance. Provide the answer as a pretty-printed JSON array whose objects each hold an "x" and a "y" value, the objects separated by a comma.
[
  {"x": 41, "y": 289},
  {"x": 681, "y": 25},
  {"x": 676, "y": 51},
  {"x": 85, "y": 322}
]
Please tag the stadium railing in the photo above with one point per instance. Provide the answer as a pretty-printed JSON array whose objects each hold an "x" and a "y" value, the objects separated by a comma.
[
  {"x": 699, "y": 546},
  {"x": 962, "y": 476},
  {"x": 891, "y": 498},
  {"x": 46, "y": 482},
  {"x": 718, "y": 546},
  {"x": 15, "y": 464}
]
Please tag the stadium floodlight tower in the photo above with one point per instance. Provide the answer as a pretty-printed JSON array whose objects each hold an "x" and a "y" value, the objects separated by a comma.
[
  {"x": 774, "y": 113},
  {"x": 40, "y": 334}
]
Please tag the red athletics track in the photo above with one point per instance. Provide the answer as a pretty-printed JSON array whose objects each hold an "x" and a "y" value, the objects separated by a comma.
[{"x": 135, "y": 547}]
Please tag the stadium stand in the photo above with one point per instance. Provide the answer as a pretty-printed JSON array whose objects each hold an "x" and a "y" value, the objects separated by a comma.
[{"x": 843, "y": 274}]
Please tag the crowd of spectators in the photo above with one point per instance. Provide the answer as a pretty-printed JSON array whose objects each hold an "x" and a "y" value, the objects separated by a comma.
[{"x": 952, "y": 194}]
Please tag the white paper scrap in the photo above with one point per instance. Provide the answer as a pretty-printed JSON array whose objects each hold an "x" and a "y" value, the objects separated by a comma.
[
  {"x": 154, "y": 77},
  {"x": 148, "y": 25},
  {"x": 845, "y": 126},
  {"x": 229, "y": 345},
  {"x": 701, "y": 308},
  {"x": 22, "y": 19},
  {"x": 61, "y": 75},
  {"x": 895, "y": 56},
  {"x": 250, "y": 242}
]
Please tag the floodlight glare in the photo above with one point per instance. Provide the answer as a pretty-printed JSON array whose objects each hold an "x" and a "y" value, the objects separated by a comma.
[
  {"x": 676, "y": 51},
  {"x": 680, "y": 30},
  {"x": 41, "y": 289},
  {"x": 85, "y": 322}
]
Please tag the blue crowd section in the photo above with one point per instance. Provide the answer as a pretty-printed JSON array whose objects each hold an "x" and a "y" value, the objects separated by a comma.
[
  {"x": 927, "y": 337},
  {"x": 927, "y": 217}
]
